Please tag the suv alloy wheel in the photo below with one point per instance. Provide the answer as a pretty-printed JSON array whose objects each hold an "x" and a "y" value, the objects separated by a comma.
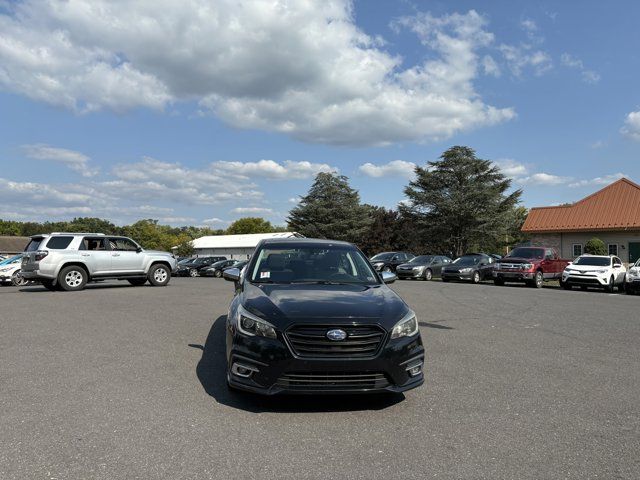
[
  {"x": 72, "y": 278},
  {"x": 159, "y": 275}
]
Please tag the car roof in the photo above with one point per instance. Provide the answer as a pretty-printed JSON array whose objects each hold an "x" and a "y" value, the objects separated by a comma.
[{"x": 316, "y": 242}]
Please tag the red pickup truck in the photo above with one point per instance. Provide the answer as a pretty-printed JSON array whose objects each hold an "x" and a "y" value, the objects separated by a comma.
[{"x": 531, "y": 265}]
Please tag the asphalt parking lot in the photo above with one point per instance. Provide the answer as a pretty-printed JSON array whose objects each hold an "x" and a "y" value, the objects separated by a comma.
[{"x": 128, "y": 382}]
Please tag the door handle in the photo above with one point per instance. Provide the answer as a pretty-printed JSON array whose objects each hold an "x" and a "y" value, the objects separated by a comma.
[
  {"x": 85, "y": 254},
  {"x": 115, "y": 254}
]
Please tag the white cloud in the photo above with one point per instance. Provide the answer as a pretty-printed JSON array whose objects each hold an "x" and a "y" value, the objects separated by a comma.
[
  {"x": 523, "y": 56},
  {"x": 588, "y": 76},
  {"x": 395, "y": 168},
  {"x": 631, "y": 126},
  {"x": 214, "y": 221},
  {"x": 252, "y": 210},
  {"x": 598, "y": 144},
  {"x": 605, "y": 180},
  {"x": 300, "y": 68},
  {"x": 270, "y": 169},
  {"x": 490, "y": 67},
  {"x": 511, "y": 168},
  {"x": 76, "y": 161},
  {"x": 544, "y": 179}
]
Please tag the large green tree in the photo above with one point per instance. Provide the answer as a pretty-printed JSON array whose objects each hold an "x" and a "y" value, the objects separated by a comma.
[
  {"x": 250, "y": 225},
  {"x": 331, "y": 209},
  {"x": 461, "y": 202}
]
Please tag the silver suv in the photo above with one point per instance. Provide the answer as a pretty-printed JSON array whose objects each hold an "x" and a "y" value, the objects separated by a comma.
[{"x": 68, "y": 261}]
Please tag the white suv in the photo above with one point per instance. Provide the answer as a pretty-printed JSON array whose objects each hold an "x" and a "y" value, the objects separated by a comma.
[
  {"x": 633, "y": 279},
  {"x": 69, "y": 260},
  {"x": 602, "y": 271}
]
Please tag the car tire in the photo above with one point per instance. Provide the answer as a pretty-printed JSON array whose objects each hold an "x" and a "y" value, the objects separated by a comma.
[
  {"x": 72, "y": 278},
  {"x": 499, "y": 282},
  {"x": 193, "y": 273},
  {"x": 428, "y": 275},
  {"x": 476, "y": 277},
  {"x": 538, "y": 279},
  {"x": 159, "y": 275},
  {"x": 17, "y": 280},
  {"x": 611, "y": 286},
  {"x": 137, "y": 282},
  {"x": 218, "y": 273},
  {"x": 49, "y": 285}
]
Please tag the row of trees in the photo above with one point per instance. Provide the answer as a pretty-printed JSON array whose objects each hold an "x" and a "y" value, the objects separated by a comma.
[
  {"x": 149, "y": 233},
  {"x": 455, "y": 205}
]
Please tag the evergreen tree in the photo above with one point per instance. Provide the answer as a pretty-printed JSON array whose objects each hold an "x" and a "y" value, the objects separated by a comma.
[
  {"x": 331, "y": 209},
  {"x": 461, "y": 202}
]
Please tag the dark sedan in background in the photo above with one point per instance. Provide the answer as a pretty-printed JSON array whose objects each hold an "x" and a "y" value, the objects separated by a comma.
[
  {"x": 193, "y": 267},
  {"x": 216, "y": 269},
  {"x": 473, "y": 267},
  {"x": 423, "y": 267},
  {"x": 388, "y": 261}
]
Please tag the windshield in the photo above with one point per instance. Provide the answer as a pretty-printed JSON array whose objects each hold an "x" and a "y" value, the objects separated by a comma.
[
  {"x": 527, "y": 252},
  {"x": 467, "y": 260},
  {"x": 312, "y": 264},
  {"x": 383, "y": 256},
  {"x": 594, "y": 261},
  {"x": 9, "y": 261},
  {"x": 422, "y": 259}
]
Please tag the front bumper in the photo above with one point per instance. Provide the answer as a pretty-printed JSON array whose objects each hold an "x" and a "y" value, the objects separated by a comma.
[
  {"x": 586, "y": 280},
  {"x": 513, "y": 276},
  {"x": 457, "y": 276},
  {"x": 276, "y": 370},
  {"x": 409, "y": 273},
  {"x": 633, "y": 285}
]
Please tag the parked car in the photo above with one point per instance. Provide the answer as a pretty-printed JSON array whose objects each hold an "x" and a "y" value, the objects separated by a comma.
[
  {"x": 472, "y": 267},
  {"x": 602, "y": 271},
  {"x": 68, "y": 261},
  {"x": 240, "y": 265},
  {"x": 531, "y": 265},
  {"x": 632, "y": 282},
  {"x": 11, "y": 272},
  {"x": 215, "y": 269},
  {"x": 388, "y": 261},
  {"x": 424, "y": 267},
  {"x": 313, "y": 316},
  {"x": 196, "y": 265}
]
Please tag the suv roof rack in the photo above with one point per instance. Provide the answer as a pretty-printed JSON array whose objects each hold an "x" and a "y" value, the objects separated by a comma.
[{"x": 76, "y": 233}]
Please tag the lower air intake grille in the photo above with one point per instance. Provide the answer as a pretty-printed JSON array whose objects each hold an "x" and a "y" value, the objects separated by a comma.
[{"x": 337, "y": 381}]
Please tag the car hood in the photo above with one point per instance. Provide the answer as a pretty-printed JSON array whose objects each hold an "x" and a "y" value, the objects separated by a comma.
[
  {"x": 588, "y": 268},
  {"x": 518, "y": 260},
  {"x": 411, "y": 265},
  {"x": 285, "y": 304}
]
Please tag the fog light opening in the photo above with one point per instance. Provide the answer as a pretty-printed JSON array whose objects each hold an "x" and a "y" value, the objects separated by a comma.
[
  {"x": 243, "y": 371},
  {"x": 415, "y": 369}
]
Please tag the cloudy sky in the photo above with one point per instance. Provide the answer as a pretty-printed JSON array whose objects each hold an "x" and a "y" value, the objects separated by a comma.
[{"x": 201, "y": 111}]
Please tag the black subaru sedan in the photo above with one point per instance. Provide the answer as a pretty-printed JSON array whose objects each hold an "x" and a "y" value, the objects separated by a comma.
[{"x": 312, "y": 316}]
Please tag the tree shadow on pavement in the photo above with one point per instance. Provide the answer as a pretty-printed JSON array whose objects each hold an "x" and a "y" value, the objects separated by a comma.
[{"x": 212, "y": 371}]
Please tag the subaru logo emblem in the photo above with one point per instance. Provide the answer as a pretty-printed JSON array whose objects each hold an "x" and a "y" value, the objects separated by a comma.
[{"x": 336, "y": 335}]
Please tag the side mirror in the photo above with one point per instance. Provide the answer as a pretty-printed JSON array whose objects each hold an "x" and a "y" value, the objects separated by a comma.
[
  {"x": 139, "y": 249},
  {"x": 389, "y": 277},
  {"x": 231, "y": 274}
]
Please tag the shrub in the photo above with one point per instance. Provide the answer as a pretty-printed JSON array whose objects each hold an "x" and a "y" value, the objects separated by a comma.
[{"x": 595, "y": 246}]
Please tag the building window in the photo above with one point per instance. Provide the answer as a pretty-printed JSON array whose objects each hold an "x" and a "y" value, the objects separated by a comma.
[
  {"x": 577, "y": 250},
  {"x": 613, "y": 249}
]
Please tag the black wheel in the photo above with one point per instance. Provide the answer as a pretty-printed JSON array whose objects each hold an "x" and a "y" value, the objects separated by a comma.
[
  {"x": 538, "y": 280},
  {"x": 49, "y": 285},
  {"x": 476, "y": 277},
  {"x": 193, "y": 272},
  {"x": 137, "y": 282},
  {"x": 159, "y": 275},
  {"x": 498, "y": 281},
  {"x": 17, "y": 280},
  {"x": 72, "y": 278},
  {"x": 218, "y": 273},
  {"x": 612, "y": 283},
  {"x": 428, "y": 274}
]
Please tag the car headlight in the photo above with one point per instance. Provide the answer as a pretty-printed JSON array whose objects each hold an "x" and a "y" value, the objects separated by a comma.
[
  {"x": 601, "y": 271},
  {"x": 633, "y": 273},
  {"x": 407, "y": 327},
  {"x": 466, "y": 270},
  {"x": 6, "y": 269},
  {"x": 526, "y": 266},
  {"x": 253, "y": 326},
  {"x": 498, "y": 266},
  {"x": 378, "y": 264}
]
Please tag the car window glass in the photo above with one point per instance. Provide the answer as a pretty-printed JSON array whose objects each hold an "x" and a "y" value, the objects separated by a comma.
[
  {"x": 122, "y": 245},
  {"x": 33, "y": 245},
  {"x": 89, "y": 243},
  {"x": 59, "y": 243}
]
